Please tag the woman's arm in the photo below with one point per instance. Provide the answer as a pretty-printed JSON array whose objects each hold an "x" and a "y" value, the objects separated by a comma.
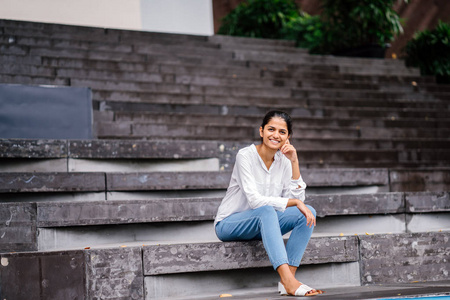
[
  {"x": 296, "y": 187},
  {"x": 291, "y": 153}
]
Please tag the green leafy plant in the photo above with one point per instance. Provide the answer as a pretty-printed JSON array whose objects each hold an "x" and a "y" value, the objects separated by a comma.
[
  {"x": 306, "y": 30},
  {"x": 430, "y": 51},
  {"x": 353, "y": 23},
  {"x": 259, "y": 18}
]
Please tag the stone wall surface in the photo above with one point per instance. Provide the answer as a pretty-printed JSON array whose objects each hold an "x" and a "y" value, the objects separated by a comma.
[
  {"x": 52, "y": 276},
  {"x": 18, "y": 227},
  {"x": 114, "y": 273},
  {"x": 405, "y": 258},
  {"x": 177, "y": 258}
]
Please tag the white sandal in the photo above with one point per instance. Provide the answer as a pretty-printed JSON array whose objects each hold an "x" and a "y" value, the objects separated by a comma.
[{"x": 301, "y": 291}]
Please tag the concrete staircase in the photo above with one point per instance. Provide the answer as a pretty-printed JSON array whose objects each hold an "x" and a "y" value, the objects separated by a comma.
[{"x": 129, "y": 215}]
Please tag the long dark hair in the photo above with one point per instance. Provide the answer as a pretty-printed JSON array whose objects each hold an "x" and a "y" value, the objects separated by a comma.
[{"x": 280, "y": 114}]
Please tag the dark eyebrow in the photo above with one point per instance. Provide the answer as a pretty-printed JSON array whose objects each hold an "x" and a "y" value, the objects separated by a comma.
[{"x": 272, "y": 127}]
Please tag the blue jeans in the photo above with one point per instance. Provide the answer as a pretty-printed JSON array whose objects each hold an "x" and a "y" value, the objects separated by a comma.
[{"x": 270, "y": 225}]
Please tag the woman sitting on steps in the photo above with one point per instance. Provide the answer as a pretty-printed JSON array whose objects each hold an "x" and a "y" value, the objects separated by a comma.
[{"x": 265, "y": 201}]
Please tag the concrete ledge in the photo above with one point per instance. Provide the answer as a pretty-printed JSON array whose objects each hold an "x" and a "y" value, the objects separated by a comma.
[
  {"x": 104, "y": 149},
  {"x": 398, "y": 180},
  {"x": 82, "y": 213},
  {"x": 107, "y": 149},
  {"x": 51, "y": 182},
  {"x": 345, "y": 177},
  {"x": 92, "y": 181},
  {"x": 425, "y": 179},
  {"x": 126, "y": 212},
  {"x": 17, "y": 148},
  {"x": 360, "y": 204},
  {"x": 405, "y": 257},
  {"x": 167, "y": 181},
  {"x": 180, "y": 258},
  {"x": 427, "y": 202},
  {"x": 73, "y": 224}
]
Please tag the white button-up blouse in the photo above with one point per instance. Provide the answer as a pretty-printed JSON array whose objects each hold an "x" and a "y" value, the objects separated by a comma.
[{"x": 252, "y": 185}]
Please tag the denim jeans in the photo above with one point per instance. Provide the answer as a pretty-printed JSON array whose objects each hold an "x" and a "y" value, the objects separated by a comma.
[{"x": 270, "y": 225}]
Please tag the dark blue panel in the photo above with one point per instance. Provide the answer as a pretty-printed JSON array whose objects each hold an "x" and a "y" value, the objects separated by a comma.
[{"x": 45, "y": 112}]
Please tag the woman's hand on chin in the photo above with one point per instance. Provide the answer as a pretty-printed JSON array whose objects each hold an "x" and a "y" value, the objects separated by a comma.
[{"x": 289, "y": 151}]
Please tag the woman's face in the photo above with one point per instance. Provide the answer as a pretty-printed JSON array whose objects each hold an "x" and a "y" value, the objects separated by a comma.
[{"x": 275, "y": 133}]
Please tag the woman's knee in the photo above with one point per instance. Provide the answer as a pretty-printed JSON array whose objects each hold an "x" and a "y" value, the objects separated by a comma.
[
  {"x": 266, "y": 210},
  {"x": 311, "y": 209}
]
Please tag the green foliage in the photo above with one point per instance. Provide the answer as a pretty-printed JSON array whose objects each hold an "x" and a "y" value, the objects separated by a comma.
[
  {"x": 343, "y": 24},
  {"x": 306, "y": 30},
  {"x": 430, "y": 51},
  {"x": 259, "y": 18},
  {"x": 352, "y": 23}
]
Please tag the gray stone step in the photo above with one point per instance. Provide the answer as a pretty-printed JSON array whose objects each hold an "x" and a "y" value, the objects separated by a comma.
[
  {"x": 180, "y": 60},
  {"x": 244, "y": 91},
  {"x": 183, "y": 103},
  {"x": 94, "y": 181},
  {"x": 212, "y": 132},
  {"x": 252, "y": 120},
  {"x": 156, "y": 74},
  {"x": 107, "y": 149},
  {"x": 182, "y": 155},
  {"x": 369, "y": 261},
  {"x": 51, "y": 182},
  {"x": 81, "y": 33},
  {"x": 249, "y": 42},
  {"x": 183, "y": 94},
  {"x": 34, "y": 80},
  {"x": 83, "y": 213},
  {"x": 133, "y": 279},
  {"x": 24, "y": 38},
  {"x": 236, "y": 74},
  {"x": 140, "y": 53},
  {"x": 137, "y": 130},
  {"x": 59, "y": 225},
  {"x": 29, "y": 40},
  {"x": 346, "y": 65},
  {"x": 158, "y": 259},
  {"x": 432, "y": 179},
  {"x": 329, "y": 71},
  {"x": 48, "y": 30}
]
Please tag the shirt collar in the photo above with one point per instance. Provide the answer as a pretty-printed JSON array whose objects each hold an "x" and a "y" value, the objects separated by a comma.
[{"x": 276, "y": 158}]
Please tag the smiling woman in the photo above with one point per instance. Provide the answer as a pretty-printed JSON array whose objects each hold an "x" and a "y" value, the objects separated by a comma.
[{"x": 264, "y": 201}]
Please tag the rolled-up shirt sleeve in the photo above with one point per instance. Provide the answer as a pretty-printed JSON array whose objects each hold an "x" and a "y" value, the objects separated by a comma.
[
  {"x": 295, "y": 189},
  {"x": 248, "y": 184}
]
